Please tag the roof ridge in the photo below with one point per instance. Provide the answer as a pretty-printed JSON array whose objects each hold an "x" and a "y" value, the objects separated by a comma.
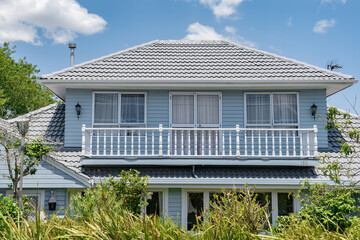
[
  {"x": 290, "y": 59},
  {"x": 98, "y": 59},
  {"x": 26, "y": 115}
]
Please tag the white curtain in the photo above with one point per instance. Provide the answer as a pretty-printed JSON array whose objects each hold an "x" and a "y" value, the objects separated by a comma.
[
  {"x": 258, "y": 108},
  {"x": 285, "y": 108},
  {"x": 132, "y": 108},
  {"x": 183, "y": 109},
  {"x": 208, "y": 109},
  {"x": 106, "y": 108}
]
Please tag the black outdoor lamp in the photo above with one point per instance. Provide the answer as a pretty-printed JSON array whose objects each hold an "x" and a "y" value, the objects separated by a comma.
[
  {"x": 78, "y": 110},
  {"x": 313, "y": 110},
  {"x": 52, "y": 202}
]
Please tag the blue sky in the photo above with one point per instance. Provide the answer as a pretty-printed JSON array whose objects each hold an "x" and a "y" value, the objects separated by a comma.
[{"x": 313, "y": 31}]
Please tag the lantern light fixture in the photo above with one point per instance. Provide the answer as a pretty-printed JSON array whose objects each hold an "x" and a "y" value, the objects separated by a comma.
[
  {"x": 313, "y": 110},
  {"x": 78, "y": 110}
]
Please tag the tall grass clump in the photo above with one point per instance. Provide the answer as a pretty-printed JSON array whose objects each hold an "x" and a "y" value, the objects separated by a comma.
[{"x": 233, "y": 215}]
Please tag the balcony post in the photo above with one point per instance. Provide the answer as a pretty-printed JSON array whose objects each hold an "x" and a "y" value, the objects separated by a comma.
[
  {"x": 83, "y": 140},
  {"x": 160, "y": 140},
  {"x": 315, "y": 140},
  {"x": 237, "y": 140}
]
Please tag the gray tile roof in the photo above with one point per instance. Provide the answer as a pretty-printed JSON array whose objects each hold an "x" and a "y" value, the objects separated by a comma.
[
  {"x": 202, "y": 172},
  {"x": 187, "y": 60}
]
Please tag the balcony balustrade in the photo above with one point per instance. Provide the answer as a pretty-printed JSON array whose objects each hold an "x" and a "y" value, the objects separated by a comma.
[{"x": 199, "y": 142}]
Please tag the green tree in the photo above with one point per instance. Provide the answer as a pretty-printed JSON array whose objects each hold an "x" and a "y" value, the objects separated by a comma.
[{"x": 19, "y": 91}]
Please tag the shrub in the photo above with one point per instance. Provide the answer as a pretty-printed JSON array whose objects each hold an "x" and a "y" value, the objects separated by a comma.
[{"x": 9, "y": 209}]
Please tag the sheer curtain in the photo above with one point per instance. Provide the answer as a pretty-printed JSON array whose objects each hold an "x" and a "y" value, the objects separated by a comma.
[
  {"x": 132, "y": 108},
  {"x": 285, "y": 109},
  {"x": 208, "y": 109},
  {"x": 258, "y": 108},
  {"x": 106, "y": 108},
  {"x": 183, "y": 109}
]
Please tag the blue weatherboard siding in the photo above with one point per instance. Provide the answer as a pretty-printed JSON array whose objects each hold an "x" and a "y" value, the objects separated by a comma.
[
  {"x": 61, "y": 201},
  {"x": 158, "y": 111},
  {"x": 47, "y": 176},
  {"x": 174, "y": 210}
]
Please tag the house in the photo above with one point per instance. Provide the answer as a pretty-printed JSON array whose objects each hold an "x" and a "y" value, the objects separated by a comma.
[{"x": 195, "y": 116}]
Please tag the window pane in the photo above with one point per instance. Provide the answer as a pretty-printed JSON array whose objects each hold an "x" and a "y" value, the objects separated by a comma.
[
  {"x": 132, "y": 108},
  {"x": 106, "y": 108},
  {"x": 183, "y": 109},
  {"x": 285, "y": 108},
  {"x": 154, "y": 204},
  {"x": 285, "y": 204},
  {"x": 258, "y": 108},
  {"x": 208, "y": 109},
  {"x": 195, "y": 208}
]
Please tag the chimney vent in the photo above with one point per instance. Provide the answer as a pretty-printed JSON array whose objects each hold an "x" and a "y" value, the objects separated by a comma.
[{"x": 72, "y": 47}]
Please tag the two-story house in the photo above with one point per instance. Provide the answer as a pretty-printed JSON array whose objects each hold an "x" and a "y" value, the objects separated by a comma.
[{"x": 195, "y": 116}]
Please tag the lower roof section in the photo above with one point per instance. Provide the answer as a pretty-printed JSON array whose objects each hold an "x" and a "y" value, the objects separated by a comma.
[{"x": 224, "y": 175}]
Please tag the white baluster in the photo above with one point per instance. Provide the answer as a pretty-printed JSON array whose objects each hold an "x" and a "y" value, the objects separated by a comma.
[
  {"x": 294, "y": 144},
  {"x": 216, "y": 143},
  {"x": 111, "y": 143},
  {"x": 125, "y": 142},
  {"x": 252, "y": 143},
  {"x": 139, "y": 142},
  {"x": 210, "y": 148},
  {"x": 259, "y": 142},
  {"x": 237, "y": 140},
  {"x": 196, "y": 142},
  {"x": 175, "y": 143},
  {"x": 104, "y": 152},
  {"x": 118, "y": 142},
  {"x": 287, "y": 143},
  {"x": 146, "y": 143},
  {"x": 132, "y": 143},
  {"x": 202, "y": 143},
  {"x": 152, "y": 143},
  {"x": 280, "y": 144},
  {"x": 273, "y": 142},
  {"x": 245, "y": 142},
  {"x": 160, "y": 140},
  {"x": 189, "y": 142},
  {"x": 168, "y": 142},
  {"x": 301, "y": 144},
  {"x": 182, "y": 142},
  {"x": 223, "y": 142},
  {"x": 91, "y": 142},
  {"x": 83, "y": 129},
  {"x": 230, "y": 144},
  {"x": 266, "y": 143},
  {"x": 307, "y": 144},
  {"x": 315, "y": 140},
  {"x": 97, "y": 142}
]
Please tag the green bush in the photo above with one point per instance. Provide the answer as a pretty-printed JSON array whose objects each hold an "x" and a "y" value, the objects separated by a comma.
[{"x": 9, "y": 209}]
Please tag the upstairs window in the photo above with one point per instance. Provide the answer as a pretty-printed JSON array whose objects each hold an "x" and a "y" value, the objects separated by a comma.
[
  {"x": 271, "y": 110},
  {"x": 119, "y": 109}
]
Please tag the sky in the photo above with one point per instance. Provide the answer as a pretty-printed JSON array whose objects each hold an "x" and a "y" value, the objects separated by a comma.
[{"x": 317, "y": 32}]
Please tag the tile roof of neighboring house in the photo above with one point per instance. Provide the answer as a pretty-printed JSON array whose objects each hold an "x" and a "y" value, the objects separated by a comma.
[{"x": 187, "y": 60}]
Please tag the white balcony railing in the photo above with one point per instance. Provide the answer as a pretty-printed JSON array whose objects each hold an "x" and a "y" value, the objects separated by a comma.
[{"x": 199, "y": 142}]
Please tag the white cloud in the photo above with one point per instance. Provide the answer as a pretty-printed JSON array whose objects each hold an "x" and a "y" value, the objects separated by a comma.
[
  {"x": 59, "y": 20},
  {"x": 196, "y": 31},
  {"x": 222, "y": 8},
  {"x": 289, "y": 22},
  {"x": 333, "y": 1},
  {"x": 322, "y": 25},
  {"x": 231, "y": 30}
]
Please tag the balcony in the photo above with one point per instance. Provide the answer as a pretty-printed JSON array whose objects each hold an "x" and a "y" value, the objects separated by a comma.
[{"x": 164, "y": 142}]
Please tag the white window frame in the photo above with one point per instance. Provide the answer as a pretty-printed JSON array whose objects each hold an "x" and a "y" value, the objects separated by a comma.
[
  {"x": 165, "y": 199},
  {"x": 119, "y": 123},
  {"x": 195, "y": 124},
  {"x": 206, "y": 197},
  {"x": 272, "y": 124},
  {"x": 32, "y": 193}
]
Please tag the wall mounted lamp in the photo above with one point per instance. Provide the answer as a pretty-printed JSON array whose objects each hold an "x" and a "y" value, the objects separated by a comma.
[
  {"x": 52, "y": 202},
  {"x": 78, "y": 110},
  {"x": 313, "y": 110}
]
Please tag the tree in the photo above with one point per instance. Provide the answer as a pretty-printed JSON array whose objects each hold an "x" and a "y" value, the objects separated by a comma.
[
  {"x": 19, "y": 90},
  {"x": 20, "y": 156}
]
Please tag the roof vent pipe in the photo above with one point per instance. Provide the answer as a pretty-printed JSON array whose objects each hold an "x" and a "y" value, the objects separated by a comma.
[{"x": 72, "y": 47}]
